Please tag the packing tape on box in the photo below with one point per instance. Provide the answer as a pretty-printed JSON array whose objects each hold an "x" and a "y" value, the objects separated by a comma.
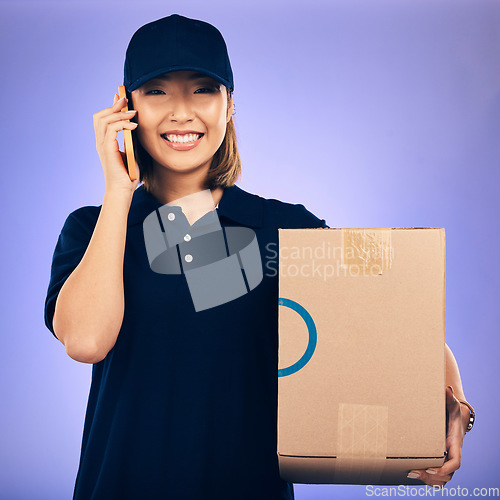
[
  {"x": 361, "y": 442},
  {"x": 366, "y": 251}
]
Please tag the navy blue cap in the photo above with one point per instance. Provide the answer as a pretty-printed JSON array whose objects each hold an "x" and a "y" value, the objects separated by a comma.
[{"x": 176, "y": 43}]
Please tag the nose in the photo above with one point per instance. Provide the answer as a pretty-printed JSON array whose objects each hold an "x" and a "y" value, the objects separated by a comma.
[{"x": 182, "y": 109}]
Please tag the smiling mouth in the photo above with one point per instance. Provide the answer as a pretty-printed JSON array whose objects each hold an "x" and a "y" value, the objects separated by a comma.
[
  {"x": 192, "y": 141},
  {"x": 182, "y": 139}
]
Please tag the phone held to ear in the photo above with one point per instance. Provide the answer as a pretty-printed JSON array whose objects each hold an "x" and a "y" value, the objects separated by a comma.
[{"x": 127, "y": 143}]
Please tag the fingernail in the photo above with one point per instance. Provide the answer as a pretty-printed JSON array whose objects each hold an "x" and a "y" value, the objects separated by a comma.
[
  {"x": 431, "y": 471},
  {"x": 413, "y": 475},
  {"x": 131, "y": 111}
]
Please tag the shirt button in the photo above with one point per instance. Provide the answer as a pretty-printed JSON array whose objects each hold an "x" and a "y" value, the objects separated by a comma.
[
  {"x": 188, "y": 258},
  {"x": 187, "y": 237},
  {"x": 171, "y": 216}
]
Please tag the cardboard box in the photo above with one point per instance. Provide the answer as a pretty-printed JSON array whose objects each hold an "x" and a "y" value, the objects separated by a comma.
[{"x": 361, "y": 354}]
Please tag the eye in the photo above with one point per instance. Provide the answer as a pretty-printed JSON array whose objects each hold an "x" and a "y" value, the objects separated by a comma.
[
  {"x": 208, "y": 90},
  {"x": 154, "y": 92}
]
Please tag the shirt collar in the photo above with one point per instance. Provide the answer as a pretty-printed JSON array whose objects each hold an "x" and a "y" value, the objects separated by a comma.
[{"x": 236, "y": 205}]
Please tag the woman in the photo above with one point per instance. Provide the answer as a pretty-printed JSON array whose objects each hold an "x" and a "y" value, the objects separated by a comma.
[{"x": 183, "y": 399}]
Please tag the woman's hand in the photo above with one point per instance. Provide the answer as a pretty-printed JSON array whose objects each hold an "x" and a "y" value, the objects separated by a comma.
[
  {"x": 456, "y": 424},
  {"x": 107, "y": 123}
]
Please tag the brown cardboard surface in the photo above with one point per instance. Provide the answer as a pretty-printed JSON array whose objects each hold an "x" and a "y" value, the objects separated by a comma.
[{"x": 369, "y": 404}]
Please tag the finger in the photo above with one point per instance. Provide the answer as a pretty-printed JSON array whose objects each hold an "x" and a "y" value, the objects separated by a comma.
[
  {"x": 113, "y": 129},
  {"x": 102, "y": 124},
  {"x": 428, "y": 478},
  {"x": 109, "y": 115},
  {"x": 117, "y": 105},
  {"x": 109, "y": 143},
  {"x": 118, "y": 115},
  {"x": 99, "y": 126},
  {"x": 439, "y": 474}
]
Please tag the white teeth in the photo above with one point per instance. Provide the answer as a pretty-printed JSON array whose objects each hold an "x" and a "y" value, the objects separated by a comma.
[{"x": 183, "y": 138}]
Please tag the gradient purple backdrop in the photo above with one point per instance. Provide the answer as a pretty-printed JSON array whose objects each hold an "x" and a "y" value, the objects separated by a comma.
[{"x": 371, "y": 113}]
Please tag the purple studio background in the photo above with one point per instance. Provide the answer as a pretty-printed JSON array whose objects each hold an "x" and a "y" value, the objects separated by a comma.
[{"x": 371, "y": 113}]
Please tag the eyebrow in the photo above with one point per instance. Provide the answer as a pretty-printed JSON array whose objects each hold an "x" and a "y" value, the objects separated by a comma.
[{"x": 193, "y": 76}]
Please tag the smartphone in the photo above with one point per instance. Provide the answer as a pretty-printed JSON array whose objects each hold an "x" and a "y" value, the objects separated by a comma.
[{"x": 127, "y": 142}]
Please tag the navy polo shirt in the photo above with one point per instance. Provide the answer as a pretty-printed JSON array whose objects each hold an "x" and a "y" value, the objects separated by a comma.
[{"x": 184, "y": 406}]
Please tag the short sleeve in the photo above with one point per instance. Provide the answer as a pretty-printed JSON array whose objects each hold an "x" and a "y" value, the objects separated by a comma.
[
  {"x": 70, "y": 248},
  {"x": 304, "y": 219}
]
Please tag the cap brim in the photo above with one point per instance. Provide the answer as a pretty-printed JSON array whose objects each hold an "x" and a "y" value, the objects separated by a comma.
[{"x": 149, "y": 76}]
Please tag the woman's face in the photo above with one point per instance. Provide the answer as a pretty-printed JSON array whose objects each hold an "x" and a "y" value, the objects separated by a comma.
[{"x": 181, "y": 101}]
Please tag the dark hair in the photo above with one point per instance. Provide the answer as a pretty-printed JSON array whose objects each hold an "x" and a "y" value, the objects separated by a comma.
[{"x": 226, "y": 163}]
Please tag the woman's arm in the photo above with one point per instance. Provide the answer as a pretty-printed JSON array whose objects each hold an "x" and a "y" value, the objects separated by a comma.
[
  {"x": 453, "y": 375},
  {"x": 90, "y": 305},
  {"x": 455, "y": 382},
  {"x": 457, "y": 421}
]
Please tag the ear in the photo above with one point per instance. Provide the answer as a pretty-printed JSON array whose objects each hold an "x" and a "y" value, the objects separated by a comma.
[{"x": 230, "y": 109}]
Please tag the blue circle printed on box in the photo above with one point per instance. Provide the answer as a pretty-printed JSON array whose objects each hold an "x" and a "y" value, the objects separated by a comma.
[{"x": 311, "y": 346}]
